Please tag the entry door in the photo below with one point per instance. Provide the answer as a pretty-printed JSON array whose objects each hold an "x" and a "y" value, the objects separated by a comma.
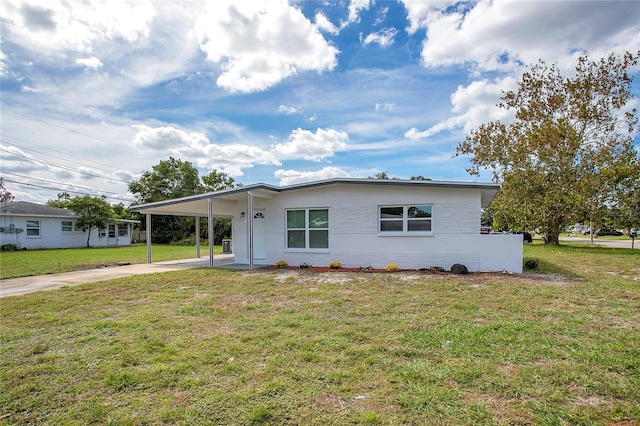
[{"x": 259, "y": 237}]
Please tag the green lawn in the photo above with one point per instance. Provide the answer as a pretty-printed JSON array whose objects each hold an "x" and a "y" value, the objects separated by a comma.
[
  {"x": 209, "y": 346},
  {"x": 40, "y": 262}
]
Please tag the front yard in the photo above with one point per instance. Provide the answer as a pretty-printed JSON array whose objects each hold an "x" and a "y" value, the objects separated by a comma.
[{"x": 303, "y": 347}]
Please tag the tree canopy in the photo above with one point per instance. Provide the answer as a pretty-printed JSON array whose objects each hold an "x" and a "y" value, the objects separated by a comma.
[
  {"x": 174, "y": 178},
  {"x": 93, "y": 212},
  {"x": 568, "y": 155}
]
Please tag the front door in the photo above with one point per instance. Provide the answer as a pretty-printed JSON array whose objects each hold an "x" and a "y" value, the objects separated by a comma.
[{"x": 259, "y": 237}]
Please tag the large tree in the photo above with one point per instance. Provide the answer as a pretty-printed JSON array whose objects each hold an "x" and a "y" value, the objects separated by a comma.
[
  {"x": 569, "y": 146},
  {"x": 174, "y": 178},
  {"x": 93, "y": 212}
]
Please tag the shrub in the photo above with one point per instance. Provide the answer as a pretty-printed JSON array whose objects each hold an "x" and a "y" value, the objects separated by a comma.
[
  {"x": 335, "y": 265},
  {"x": 9, "y": 247},
  {"x": 281, "y": 263},
  {"x": 392, "y": 267},
  {"x": 365, "y": 268},
  {"x": 531, "y": 264},
  {"x": 304, "y": 266},
  {"x": 458, "y": 268}
]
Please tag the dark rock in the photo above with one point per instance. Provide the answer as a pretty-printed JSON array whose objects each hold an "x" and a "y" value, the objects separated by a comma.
[{"x": 457, "y": 268}]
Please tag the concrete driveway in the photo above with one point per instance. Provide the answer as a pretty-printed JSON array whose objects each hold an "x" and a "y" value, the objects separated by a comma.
[{"x": 24, "y": 285}]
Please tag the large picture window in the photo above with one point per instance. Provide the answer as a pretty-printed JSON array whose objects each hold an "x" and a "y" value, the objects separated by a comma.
[
  {"x": 406, "y": 219},
  {"x": 33, "y": 228},
  {"x": 71, "y": 226},
  {"x": 308, "y": 229}
]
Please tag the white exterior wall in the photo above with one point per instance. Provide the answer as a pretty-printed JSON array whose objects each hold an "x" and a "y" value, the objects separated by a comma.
[
  {"x": 51, "y": 235},
  {"x": 354, "y": 239}
]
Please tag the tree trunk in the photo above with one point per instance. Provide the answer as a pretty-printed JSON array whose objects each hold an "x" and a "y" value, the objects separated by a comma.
[
  {"x": 88, "y": 236},
  {"x": 591, "y": 231},
  {"x": 552, "y": 238}
]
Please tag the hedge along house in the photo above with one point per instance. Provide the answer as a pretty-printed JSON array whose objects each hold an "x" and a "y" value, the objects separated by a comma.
[
  {"x": 358, "y": 222},
  {"x": 37, "y": 226}
]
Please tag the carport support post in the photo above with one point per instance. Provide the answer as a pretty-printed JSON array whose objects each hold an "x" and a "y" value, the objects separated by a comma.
[
  {"x": 198, "y": 237},
  {"x": 210, "y": 233},
  {"x": 148, "y": 237},
  {"x": 250, "y": 225}
]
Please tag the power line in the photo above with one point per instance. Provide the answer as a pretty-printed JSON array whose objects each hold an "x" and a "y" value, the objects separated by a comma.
[
  {"x": 72, "y": 185},
  {"x": 45, "y": 153},
  {"x": 49, "y": 163},
  {"x": 61, "y": 189}
]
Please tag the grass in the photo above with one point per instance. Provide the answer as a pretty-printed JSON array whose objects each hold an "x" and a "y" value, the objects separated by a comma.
[
  {"x": 40, "y": 262},
  {"x": 209, "y": 346}
]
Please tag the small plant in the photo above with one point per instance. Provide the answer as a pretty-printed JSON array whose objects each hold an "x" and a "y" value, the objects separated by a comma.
[
  {"x": 531, "y": 264},
  {"x": 392, "y": 267},
  {"x": 335, "y": 265},
  {"x": 304, "y": 266},
  {"x": 281, "y": 264},
  {"x": 365, "y": 268}
]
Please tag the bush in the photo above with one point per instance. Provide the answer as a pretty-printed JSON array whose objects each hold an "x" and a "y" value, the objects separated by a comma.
[
  {"x": 281, "y": 263},
  {"x": 9, "y": 247},
  {"x": 392, "y": 267},
  {"x": 458, "y": 268},
  {"x": 531, "y": 264},
  {"x": 335, "y": 265},
  {"x": 304, "y": 266}
]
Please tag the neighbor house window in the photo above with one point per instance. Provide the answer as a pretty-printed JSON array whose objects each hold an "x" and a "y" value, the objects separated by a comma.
[
  {"x": 33, "y": 228},
  {"x": 112, "y": 231},
  {"x": 308, "y": 229},
  {"x": 406, "y": 219},
  {"x": 123, "y": 230},
  {"x": 70, "y": 226}
]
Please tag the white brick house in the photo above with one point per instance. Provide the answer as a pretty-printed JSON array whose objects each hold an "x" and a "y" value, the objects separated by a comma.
[
  {"x": 37, "y": 226},
  {"x": 358, "y": 222}
]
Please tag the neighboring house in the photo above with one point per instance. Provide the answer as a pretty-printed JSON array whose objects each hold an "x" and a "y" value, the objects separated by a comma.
[
  {"x": 358, "y": 222},
  {"x": 37, "y": 226}
]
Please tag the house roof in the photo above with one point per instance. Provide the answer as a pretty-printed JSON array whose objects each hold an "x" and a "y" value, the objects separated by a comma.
[
  {"x": 197, "y": 205},
  {"x": 24, "y": 208}
]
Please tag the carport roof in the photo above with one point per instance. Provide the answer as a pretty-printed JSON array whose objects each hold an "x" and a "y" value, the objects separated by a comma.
[{"x": 225, "y": 200}]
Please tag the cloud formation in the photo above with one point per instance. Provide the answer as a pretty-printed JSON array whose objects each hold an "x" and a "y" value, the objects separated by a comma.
[{"x": 258, "y": 44}]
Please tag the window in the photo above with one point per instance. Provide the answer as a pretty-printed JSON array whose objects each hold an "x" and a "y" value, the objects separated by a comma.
[
  {"x": 308, "y": 229},
  {"x": 406, "y": 219},
  {"x": 112, "y": 231},
  {"x": 123, "y": 230},
  {"x": 33, "y": 228},
  {"x": 70, "y": 226}
]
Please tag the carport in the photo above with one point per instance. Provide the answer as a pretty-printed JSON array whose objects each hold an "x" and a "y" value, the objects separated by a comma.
[{"x": 220, "y": 204}]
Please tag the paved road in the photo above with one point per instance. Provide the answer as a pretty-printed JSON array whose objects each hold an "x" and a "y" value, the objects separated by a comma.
[
  {"x": 603, "y": 242},
  {"x": 19, "y": 286}
]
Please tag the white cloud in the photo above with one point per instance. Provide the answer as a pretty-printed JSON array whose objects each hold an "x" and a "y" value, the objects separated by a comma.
[
  {"x": 58, "y": 27},
  {"x": 357, "y": 6},
  {"x": 312, "y": 146},
  {"x": 291, "y": 177},
  {"x": 502, "y": 35},
  {"x": 90, "y": 63},
  {"x": 290, "y": 110},
  {"x": 196, "y": 148},
  {"x": 258, "y": 44},
  {"x": 385, "y": 107},
  {"x": 473, "y": 105},
  {"x": 323, "y": 24},
  {"x": 384, "y": 37}
]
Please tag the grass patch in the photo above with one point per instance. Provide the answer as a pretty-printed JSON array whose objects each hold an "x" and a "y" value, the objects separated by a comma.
[
  {"x": 208, "y": 346},
  {"x": 26, "y": 263}
]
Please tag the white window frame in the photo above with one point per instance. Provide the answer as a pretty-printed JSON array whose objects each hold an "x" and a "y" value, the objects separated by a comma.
[
  {"x": 74, "y": 227},
  {"x": 123, "y": 230},
  {"x": 306, "y": 230},
  {"x": 32, "y": 228},
  {"x": 405, "y": 232}
]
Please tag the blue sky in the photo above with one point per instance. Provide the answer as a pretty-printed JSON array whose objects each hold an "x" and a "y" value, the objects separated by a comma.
[{"x": 94, "y": 93}]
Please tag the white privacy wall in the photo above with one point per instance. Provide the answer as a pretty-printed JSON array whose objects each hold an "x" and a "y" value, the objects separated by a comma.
[{"x": 354, "y": 239}]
